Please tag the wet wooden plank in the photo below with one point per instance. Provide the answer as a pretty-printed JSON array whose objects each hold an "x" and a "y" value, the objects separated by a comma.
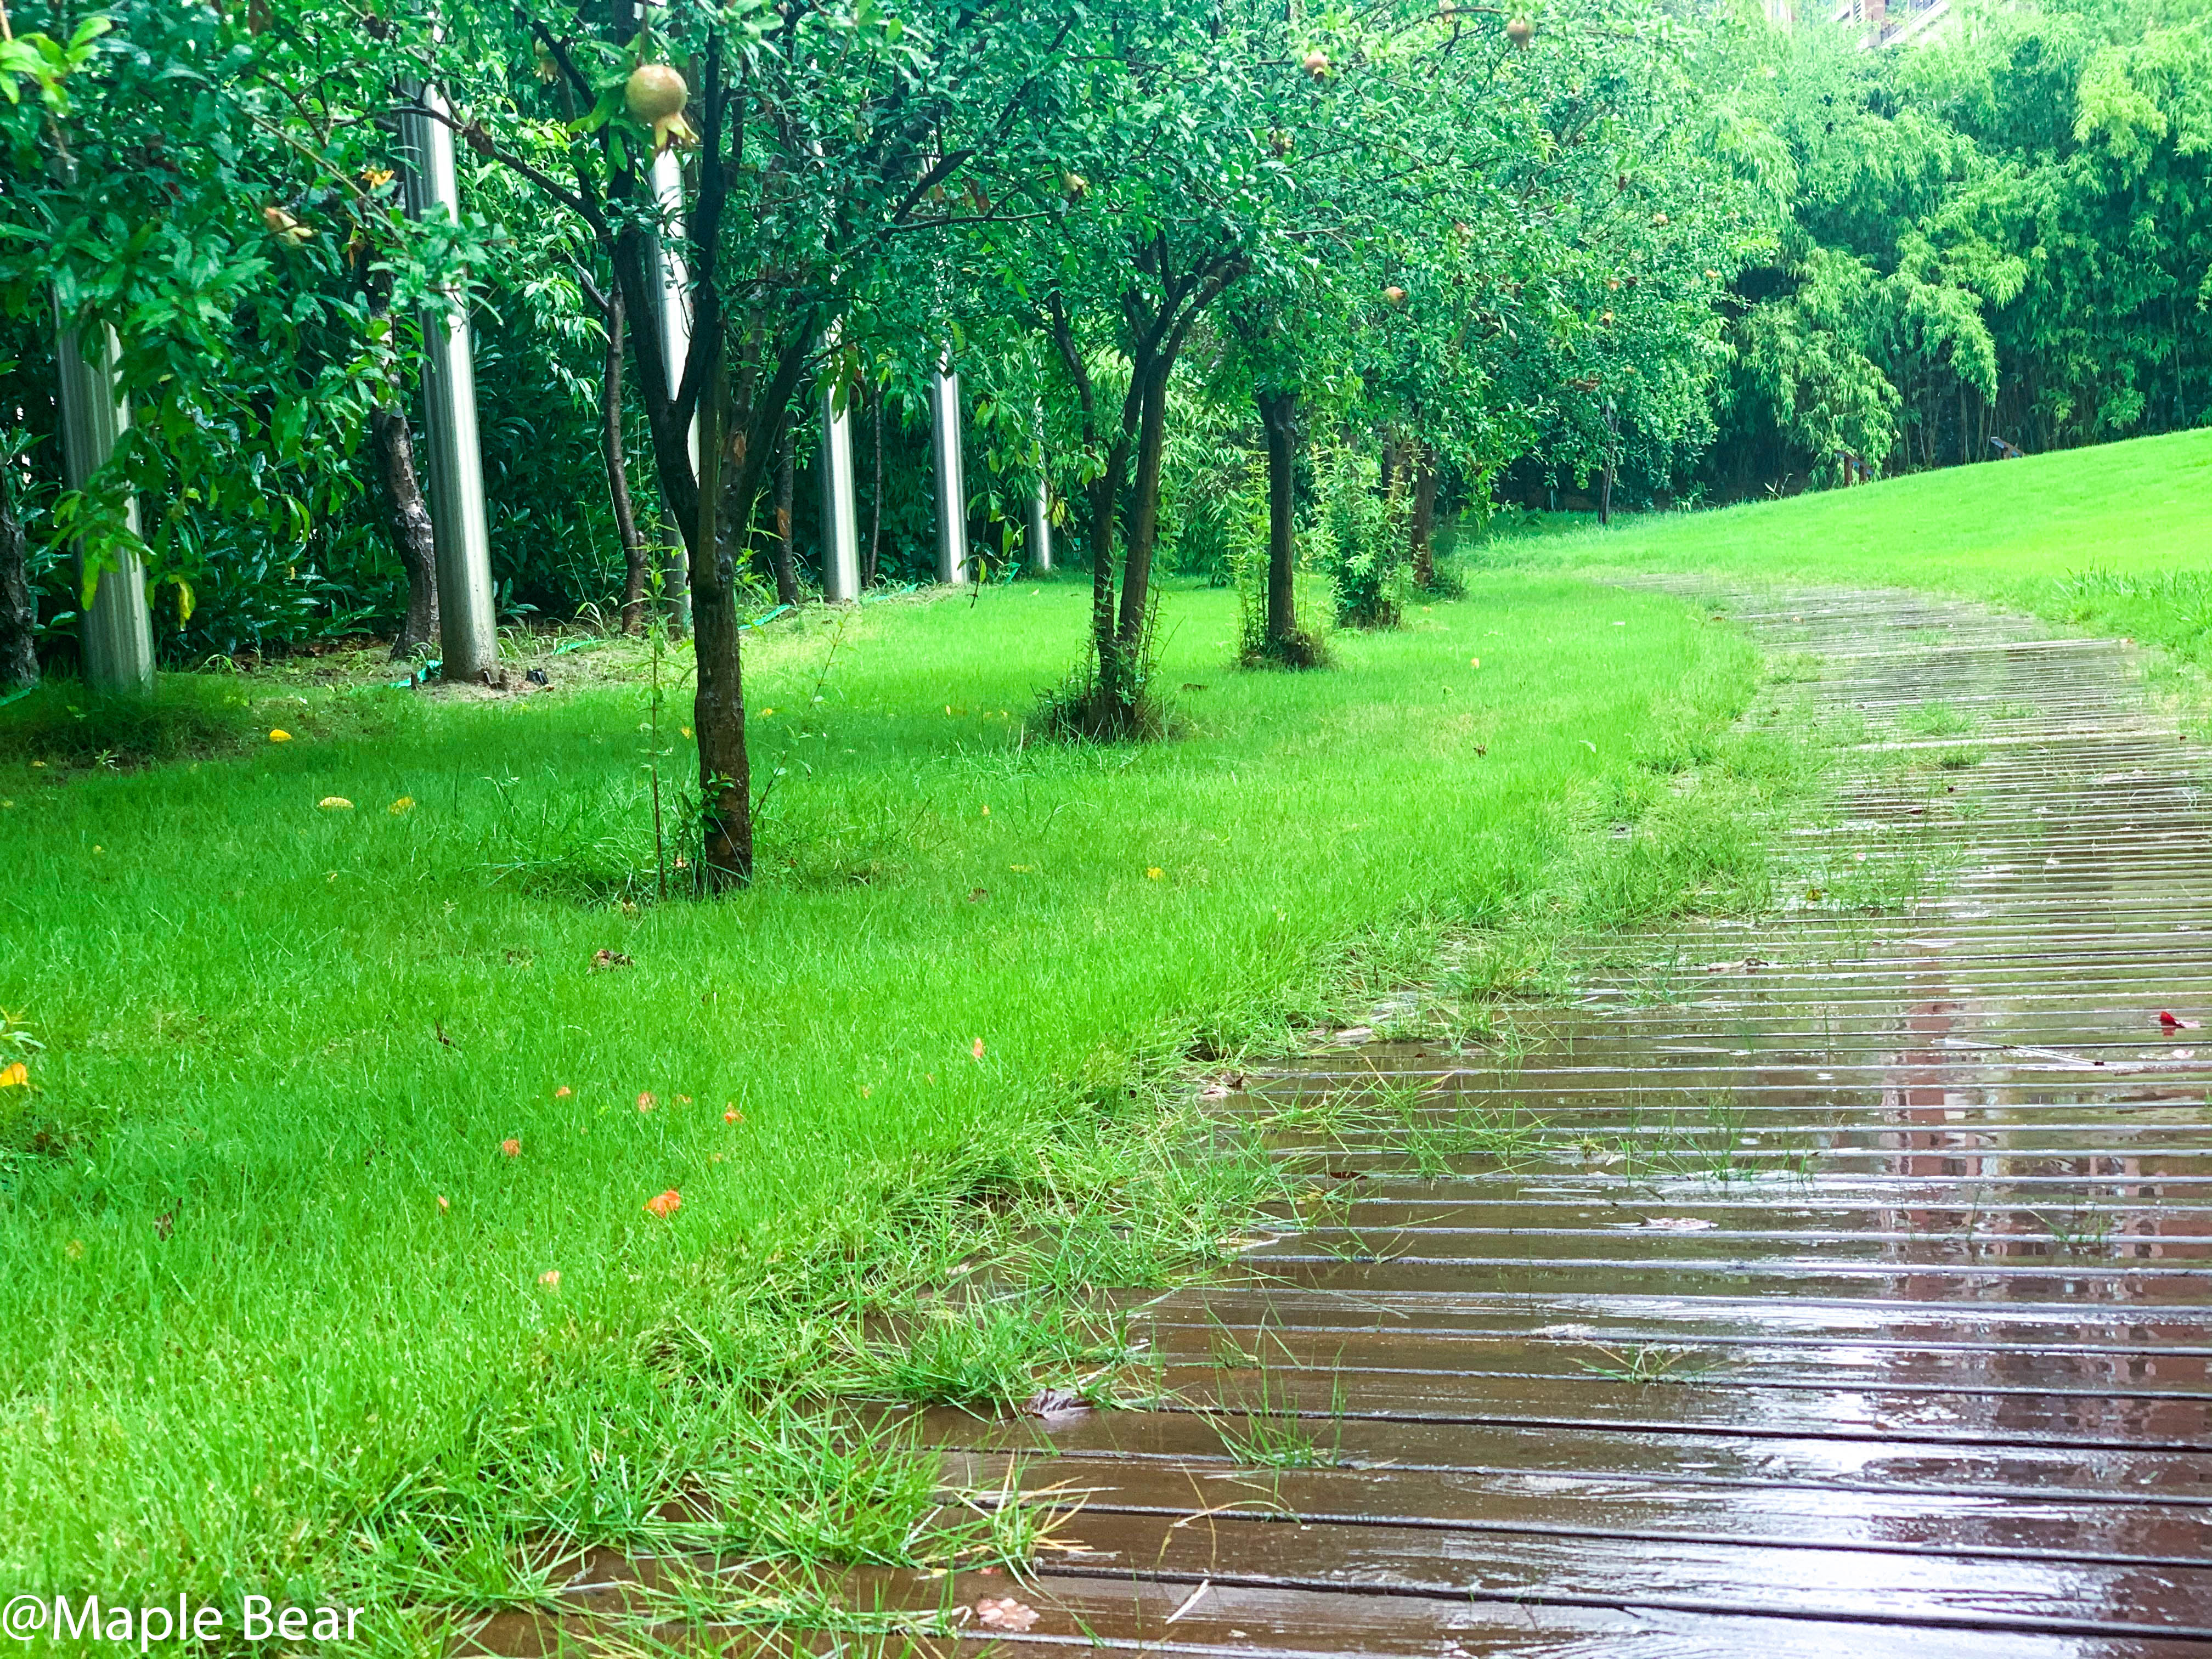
[
  {"x": 1950, "y": 1522},
  {"x": 1813, "y": 1580},
  {"x": 2144, "y": 1372},
  {"x": 2037, "y": 1465}
]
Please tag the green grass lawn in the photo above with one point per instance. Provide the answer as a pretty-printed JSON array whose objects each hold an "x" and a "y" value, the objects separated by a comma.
[
  {"x": 275, "y": 1296},
  {"x": 2117, "y": 537}
]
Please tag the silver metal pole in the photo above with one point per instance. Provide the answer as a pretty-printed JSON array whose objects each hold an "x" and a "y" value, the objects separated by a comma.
[
  {"x": 951, "y": 483},
  {"x": 468, "y": 631},
  {"x": 840, "y": 516},
  {"x": 116, "y": 631},
  {"x": 674, "y": 307},
  {"x": 1040, "y": 530},
  {"x": 1041, "y": 509},
  {"x": 675, "y": 280}
]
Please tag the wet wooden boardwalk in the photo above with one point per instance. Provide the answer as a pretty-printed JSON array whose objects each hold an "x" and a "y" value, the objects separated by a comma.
[{"x": 1832, "y": 1286}]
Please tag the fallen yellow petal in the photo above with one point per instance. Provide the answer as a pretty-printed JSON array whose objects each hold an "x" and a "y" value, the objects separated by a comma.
[
  {"x": 17, "y": 1076},
  {"x": 1154, "y": 873},
  {"x": 280, "y": 736},
  {"x": 335, "y": 804},
  {"x": 404, "y": 803}
]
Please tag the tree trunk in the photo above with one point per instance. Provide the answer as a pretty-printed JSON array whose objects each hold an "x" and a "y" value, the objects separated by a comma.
[
  {"x": 1279, "y": 414},
  {"x": 18, "y": 606},
  {"x": 610, "y": 445},
  {"x": 407, "y": 521},
  {"x": 783, "y": 552},
  {"x": 1421, "y": 531},
  {"x": 1143, "y": 508},
  {"x": 726, "y": 825}
]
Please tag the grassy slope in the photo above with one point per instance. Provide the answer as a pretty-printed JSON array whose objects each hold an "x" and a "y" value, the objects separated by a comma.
[
  {"x": 242, "y": 997},
  {"x": 2117, "y": 537}
]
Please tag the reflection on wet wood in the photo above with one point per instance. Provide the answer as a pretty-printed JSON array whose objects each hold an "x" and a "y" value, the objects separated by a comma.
[{"x": 1847, "y": 1267}]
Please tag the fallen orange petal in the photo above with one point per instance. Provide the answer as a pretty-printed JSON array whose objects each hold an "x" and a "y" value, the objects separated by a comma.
[
  {"x": 550, "y": 1278},
  {"x": 17, "y": 1076},
  {"x": 511, "y": 1146},
  {"x": 562, "y": 1092},
  {"x": 665, "y": 1204},
  {"x": 978, "y": 1049}
]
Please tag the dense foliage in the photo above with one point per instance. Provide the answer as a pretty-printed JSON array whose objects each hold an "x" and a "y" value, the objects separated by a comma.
[
  {"x": 1634, "y": 248},
  {"x": 2005, "y": 234}
]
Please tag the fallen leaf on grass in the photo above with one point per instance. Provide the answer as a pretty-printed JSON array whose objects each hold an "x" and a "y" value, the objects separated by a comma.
[
  {"x": 603, "y": 960},
  {"x": 664, "y": 1205},
  {"x": 1004, "y": 1613},
  {"x": 164, "y": 1223},
  {"x": 978, "y": 895},
  {"x": 512, "y": 1147}
]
